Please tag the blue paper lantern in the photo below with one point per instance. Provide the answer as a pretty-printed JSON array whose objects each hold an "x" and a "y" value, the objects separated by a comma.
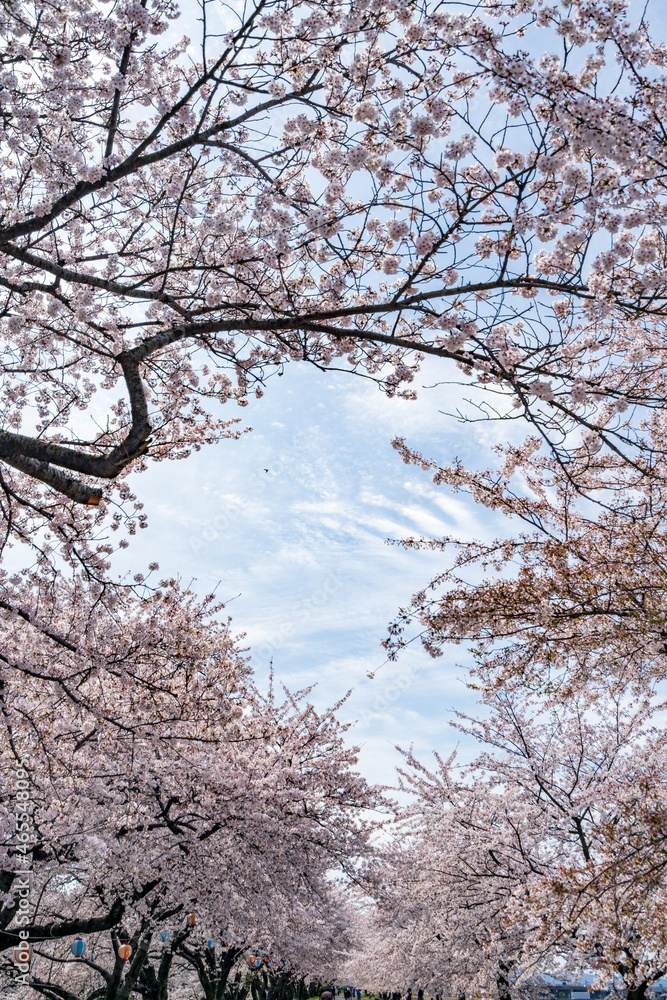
[
  {"x": 78, "y": 947},
  {"x": 210, "y": 944},
  {"x": 164, "y": 935}
]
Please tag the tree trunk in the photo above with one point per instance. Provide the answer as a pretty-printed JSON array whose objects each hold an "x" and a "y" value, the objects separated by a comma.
[
  {"x": 636, "y": 992},
  {"x": 224, "y": 968},
  {"x": 503, "y": 982}
]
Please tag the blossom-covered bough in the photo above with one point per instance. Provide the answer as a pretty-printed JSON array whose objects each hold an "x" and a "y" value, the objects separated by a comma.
[
  {"x": 571, "y": 599},
  {"x": 355, "y": 186}
]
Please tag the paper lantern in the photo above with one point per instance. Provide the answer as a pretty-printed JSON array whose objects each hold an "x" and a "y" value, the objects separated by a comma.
[
  {"x": 22, "y": 953},
  {"x": 164, "y": 935},
  {"x": 78, "y": 947},
  {"x": 124, "y": 952},
  {"x": 210, "y": 944},
  {"x": 191, "y": 919}
]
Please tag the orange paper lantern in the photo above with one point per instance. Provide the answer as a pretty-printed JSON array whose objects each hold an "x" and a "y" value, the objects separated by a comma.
[
  {"x": 190, "y": 919},
  {"x": 124, "y": 952}
]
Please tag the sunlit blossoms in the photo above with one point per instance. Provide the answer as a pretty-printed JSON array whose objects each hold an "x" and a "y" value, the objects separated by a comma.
[{"x": 175, "y": 227}]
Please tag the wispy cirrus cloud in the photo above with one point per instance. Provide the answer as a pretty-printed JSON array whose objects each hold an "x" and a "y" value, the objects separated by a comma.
[{"x": 290, "y": 524}]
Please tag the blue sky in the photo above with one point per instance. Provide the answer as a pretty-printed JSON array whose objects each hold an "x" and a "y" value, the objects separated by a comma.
[{"x": 299, "y": 552}]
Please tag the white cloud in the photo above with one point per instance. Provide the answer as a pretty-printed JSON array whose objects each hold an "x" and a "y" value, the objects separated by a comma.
[{"x": 300, "y": 552}]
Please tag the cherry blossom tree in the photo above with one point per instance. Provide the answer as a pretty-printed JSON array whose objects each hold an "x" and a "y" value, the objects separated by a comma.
[
  {"x": 154, "y": 780},
  {"x": 352, "y": 186},
  {"x": 446, "y": 891},
  {"x": 556, "y": 832},
  {"x": 571, "y": 598},
  {"x": 544, "y": 855},
  {"x": 213, "y": 965}
]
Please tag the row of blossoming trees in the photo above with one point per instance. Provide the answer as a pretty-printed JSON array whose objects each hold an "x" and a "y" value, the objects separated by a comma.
[
  {"x": 357, "y": 186},
  {"x": 545, "y": 853},
  {"x": 163, "y": 802}
]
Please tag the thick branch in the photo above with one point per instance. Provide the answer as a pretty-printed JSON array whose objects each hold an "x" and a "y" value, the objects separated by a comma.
[
  {"x": 72, "y": 488},
  {"x": 65, "y": 928}
]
